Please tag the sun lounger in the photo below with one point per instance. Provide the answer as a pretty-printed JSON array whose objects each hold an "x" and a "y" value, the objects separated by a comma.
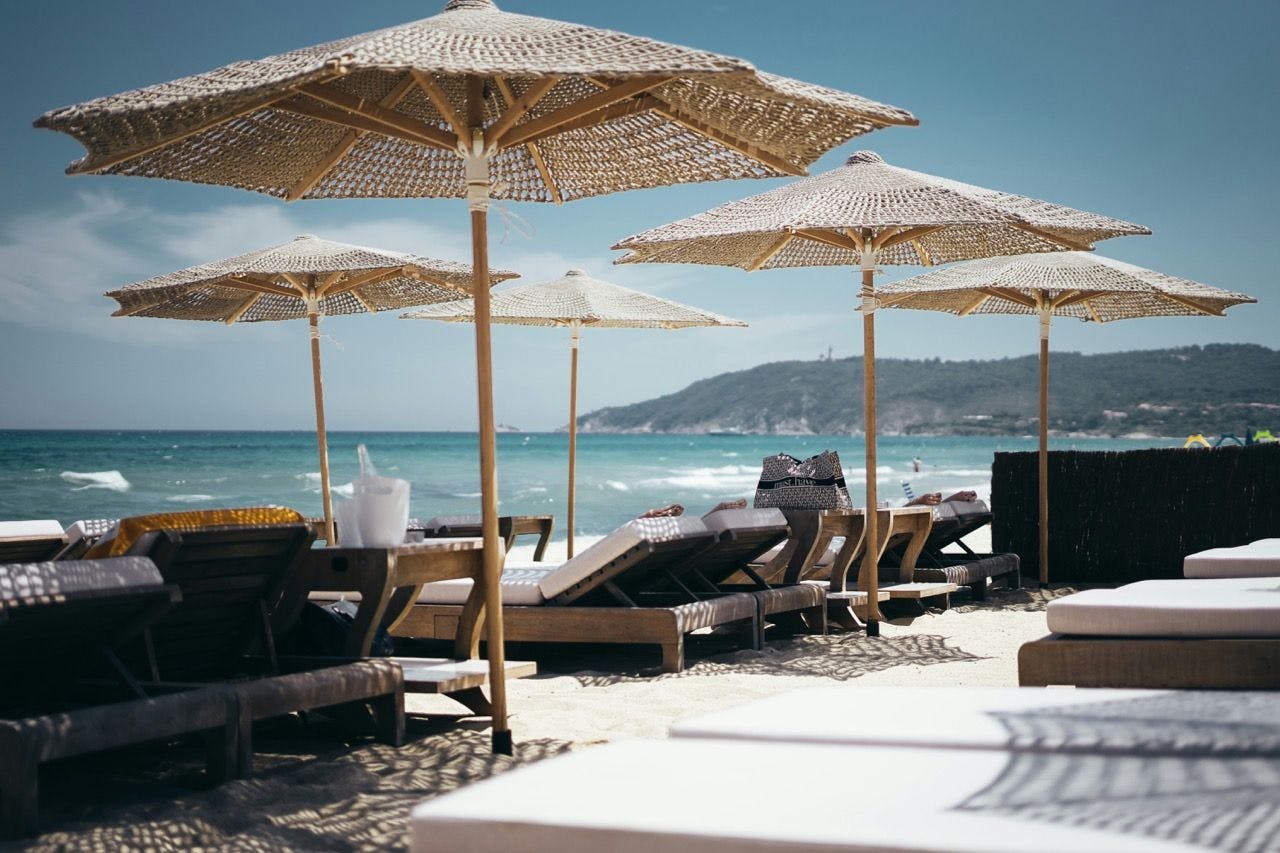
[
  {"x": 1257, "y": 559},
  {"x": 743, "y": 536},
  {"x": 604, "y": 594},
  {"x": 30, "y": 541},
  {"x": 83, "y": 535},
  {"x": 510, "y": 527},
  {"x": 1221, "y": 633},
  {"x": 672, "y": 796},
  {"x": 63, "y": 622},
  {"x": 952, "y": 521},
  {"x": 231, "y": 577},
  {"x": 1129, "y": 722}
]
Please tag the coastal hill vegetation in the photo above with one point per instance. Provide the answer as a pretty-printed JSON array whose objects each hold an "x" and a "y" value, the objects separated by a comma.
[{"x": 1214, "y": 389}]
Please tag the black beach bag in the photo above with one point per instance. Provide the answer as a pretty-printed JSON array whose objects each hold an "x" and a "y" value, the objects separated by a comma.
[{"x": 814, "y": 483}]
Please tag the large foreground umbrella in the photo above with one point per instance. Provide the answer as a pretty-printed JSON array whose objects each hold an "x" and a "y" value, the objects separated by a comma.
[
  {"x": 306, "y": 277},
  {"x": 577, "y": 300},
  {"x": 560, "y": 111},
  {"x": 1068, "y": 284},
  {"x": 867, "y": 213}
]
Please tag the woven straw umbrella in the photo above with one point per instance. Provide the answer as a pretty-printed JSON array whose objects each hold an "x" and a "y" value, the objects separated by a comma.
[
  {"x": 1067, "y": 284},
  {"x": 576, "y": 300},
  {"x": 305, "y": 277},
  {"x": 865, "y": 213},
  {"x": 472, "y": 103}
]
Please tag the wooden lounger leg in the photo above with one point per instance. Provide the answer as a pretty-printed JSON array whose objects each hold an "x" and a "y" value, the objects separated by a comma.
[
  {"x": 388, "y": 714},
  {"x": 979, "y": 590},
  {"x": 244, "y": 743},
  {"x": 222, "y": 750},
  {"x": 474, "y": 699},
  {"x": 19, "y": 784},
  {"x": 873, "y": 628},
  {"x": 673, "y": 655},
  {"x": 753, "y": 632}
]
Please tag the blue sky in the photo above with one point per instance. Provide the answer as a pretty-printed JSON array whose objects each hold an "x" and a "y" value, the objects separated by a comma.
[{"x": 1156, "y": 111}]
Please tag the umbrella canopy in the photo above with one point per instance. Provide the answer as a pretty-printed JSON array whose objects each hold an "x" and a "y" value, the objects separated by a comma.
[
  {"x": 305, "y": 277},
  {"x": 383, "y": 114},
  {"x": 577, "y": 300},
  {"x": 865, "y": 213},
  {"x": 560, "y": 111},
  {"x": 1067, "y": 284},
  {"x": 276, "y": 283}
]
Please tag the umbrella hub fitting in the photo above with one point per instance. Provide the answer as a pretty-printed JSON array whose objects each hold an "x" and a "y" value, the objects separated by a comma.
[{"x": 476, "y": 169}]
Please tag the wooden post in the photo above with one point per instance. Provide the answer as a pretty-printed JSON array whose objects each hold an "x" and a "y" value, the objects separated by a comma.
[
  {"x": 573, "y": 427},
  {"x": 1044, "y": 441},
  {"x": 477, "y": 176},
  {"x": 870, "y": 561},
  {"x": 322, "y": 440}
]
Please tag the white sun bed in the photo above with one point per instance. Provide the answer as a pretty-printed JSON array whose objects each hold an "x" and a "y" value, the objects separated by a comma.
[
  {"x": 1219, "y": 607},
  {"x": 697, "y": 796},
  {"x": 1007, "y": 718},
  {"x": 30, "y": 541},
  {"x": 1257, "y": 559},
  {"x": 1204, "y": 633}
]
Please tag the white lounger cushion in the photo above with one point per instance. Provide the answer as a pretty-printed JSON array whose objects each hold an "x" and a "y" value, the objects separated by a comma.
[
  {"x": 696, "y": 796},
  {"x": 520, "y": 585},
  {"x": 1162, "y": 722},
  {"x": 1257, "y": 559},
  {"x": 44, "y": 528},
  {"x": 1219, "y": 607},
  {"x": 613, "y": 546},
  {"x": 744, "y": 520}
]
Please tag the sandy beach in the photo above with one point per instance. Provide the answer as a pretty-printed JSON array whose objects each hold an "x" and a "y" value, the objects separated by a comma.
[{"x": 311, "y": 790}]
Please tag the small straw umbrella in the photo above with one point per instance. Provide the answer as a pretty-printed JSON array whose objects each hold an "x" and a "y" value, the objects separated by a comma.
[
  {"x": 305, "y": 277},
  {"x": 439, "y": 107},
  {"x": 1067, "y": 284},
  {"x": 865, "y": 213},
  {"x": 577, "y": 300}
]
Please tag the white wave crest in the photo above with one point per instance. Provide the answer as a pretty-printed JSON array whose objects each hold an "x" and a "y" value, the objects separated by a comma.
[
  {"x": 311, "y": 482},
  {"x": 190, "y": 499},
  {"x": 112, "y": 480},
  {"x": 617, "y": 485},
  {"x": 729, "y": 478}
]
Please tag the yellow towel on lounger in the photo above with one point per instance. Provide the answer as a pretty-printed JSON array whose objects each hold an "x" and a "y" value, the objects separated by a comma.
[{"x": 129, "y": 529}]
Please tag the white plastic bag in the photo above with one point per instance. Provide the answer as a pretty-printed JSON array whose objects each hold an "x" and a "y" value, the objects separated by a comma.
[{"x": 378, "y": 512}]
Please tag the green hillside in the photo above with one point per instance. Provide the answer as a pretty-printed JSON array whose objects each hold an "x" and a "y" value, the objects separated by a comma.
[{"x": 1212, "y": 389}]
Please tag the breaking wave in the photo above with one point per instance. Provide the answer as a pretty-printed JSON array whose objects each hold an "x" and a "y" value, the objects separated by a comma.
[{"x": 112, "y": 480}]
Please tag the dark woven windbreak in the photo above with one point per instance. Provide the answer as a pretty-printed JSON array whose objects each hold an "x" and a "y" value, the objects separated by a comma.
[
  {"x": 1133, "y": 515},
  {"x": 377, "y": 115}
]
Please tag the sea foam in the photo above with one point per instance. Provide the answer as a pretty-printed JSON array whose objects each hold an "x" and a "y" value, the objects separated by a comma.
[{"x": 112, "y": 480}]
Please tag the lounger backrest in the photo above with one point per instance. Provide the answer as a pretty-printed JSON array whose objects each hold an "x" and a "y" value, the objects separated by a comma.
[
  {"x": 54, "y": 616},
  {"x": 30, "y": 541},
  {"x": 229, "y": 577},
  {"x": 629, "y": 557},
  {"x": 953, "y": 520},
  {"x": 742, "y": 535}
]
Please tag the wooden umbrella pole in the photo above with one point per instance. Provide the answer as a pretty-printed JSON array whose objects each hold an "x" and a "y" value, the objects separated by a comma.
[
  {"x": 477, "y": 175},
  {"x": 322, "y": 440},
  {"x": 870, "y": 559},
  {"x": 573, "y": 429},
  {"x": 1044, "y": 442}
]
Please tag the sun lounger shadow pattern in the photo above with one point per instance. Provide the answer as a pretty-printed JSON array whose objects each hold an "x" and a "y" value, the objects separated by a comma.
[{"x": 1197, "y": 768}]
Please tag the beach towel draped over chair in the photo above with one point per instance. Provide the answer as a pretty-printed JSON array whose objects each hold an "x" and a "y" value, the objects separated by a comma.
[{"x": 129, "y": 530}]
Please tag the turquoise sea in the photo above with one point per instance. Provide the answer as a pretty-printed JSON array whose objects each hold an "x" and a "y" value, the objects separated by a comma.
[{"x": 107, "y": 474}]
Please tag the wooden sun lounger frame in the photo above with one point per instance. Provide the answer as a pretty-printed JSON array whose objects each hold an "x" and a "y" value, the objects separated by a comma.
[
  {"x": 321, "y": 683},
  {"x": 565, "y": 620},
  {"x": 61, "y": 718},
  {"x": 793, "y": 607},
  {"x": 30, "y": 549},
  {"x": 935, "y": 565},
  {"x": 1190, "y": 663},
  {"x": 510, "y": 527}
]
